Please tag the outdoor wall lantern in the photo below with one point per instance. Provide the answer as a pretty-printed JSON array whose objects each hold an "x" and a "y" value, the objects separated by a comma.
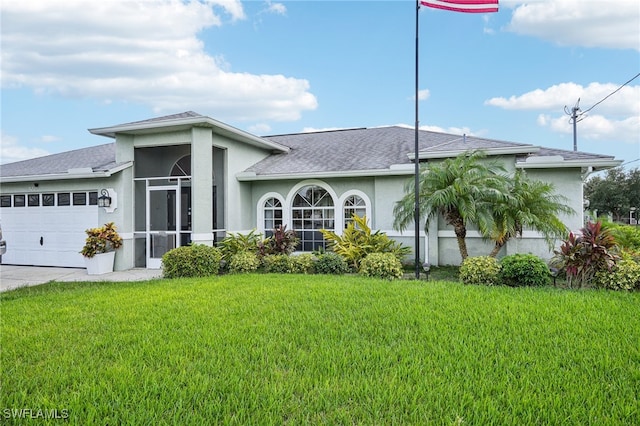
[
  {"x": 104, "y": 200},
  {"x": 108, "y": 200}
]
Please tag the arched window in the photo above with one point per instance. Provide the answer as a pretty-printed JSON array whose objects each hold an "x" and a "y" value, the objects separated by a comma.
[
  {"x": 272, "y": 209},
  {"x": 312, "y": 209},
  {"x": 182, "y": 167},
  {"x": 353, "y": 204}
]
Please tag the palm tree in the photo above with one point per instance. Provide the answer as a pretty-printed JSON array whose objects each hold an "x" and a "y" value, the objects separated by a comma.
[
  {"x": 461, "y": 189},
  {"x": 531, "y": 204}
]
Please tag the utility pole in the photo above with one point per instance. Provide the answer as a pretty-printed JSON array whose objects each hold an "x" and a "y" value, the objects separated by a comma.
[{"x": 574, "y": 119}]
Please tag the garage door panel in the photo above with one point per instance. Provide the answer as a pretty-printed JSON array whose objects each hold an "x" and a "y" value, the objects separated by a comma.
[{"x": 46, "y": 236}]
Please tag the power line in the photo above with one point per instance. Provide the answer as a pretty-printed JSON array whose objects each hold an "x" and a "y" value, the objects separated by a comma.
[
  {"x": 606, "y": 97},
  {"x": 575, "y": 117}
]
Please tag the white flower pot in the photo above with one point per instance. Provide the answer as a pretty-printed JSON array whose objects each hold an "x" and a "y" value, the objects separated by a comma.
[{"x": 101, "y": 263}]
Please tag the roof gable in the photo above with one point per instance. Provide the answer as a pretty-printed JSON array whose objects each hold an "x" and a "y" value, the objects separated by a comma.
[{"x": 187, "y": 120}]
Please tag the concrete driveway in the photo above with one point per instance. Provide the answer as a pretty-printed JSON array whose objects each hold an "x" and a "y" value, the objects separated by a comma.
[{"x": 16, "y": 276}]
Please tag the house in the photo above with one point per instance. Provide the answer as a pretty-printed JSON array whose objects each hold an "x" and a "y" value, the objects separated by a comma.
[{"x": 189, "y": 178}]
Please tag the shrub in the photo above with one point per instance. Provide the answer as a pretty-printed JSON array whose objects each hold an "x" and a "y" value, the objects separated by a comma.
[
  {"x": 277, "y": 263},
  {"x": 244, "y": 261},
  {"x": 582, "y": 256},
  {"x": 281, "y": 242},
  {"x": 191, "y": 261},
  {"x": 624, "y": 276},
  {"x": 331, "y": 263},
  {"x": 625, "y": 236},
  {"x": 284, "y": 264},
  {"x": 480, "y": 270},
  {"x": 357, "y": 241},
  {"x": 523, "y": 270},
  {"x": 233, "y": 244},
  {"x": 303, "y": 263},
  {"x": 381, "y": 265}
]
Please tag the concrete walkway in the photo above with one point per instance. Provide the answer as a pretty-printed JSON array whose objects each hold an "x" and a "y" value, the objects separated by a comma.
[{"x": 16, "y": 276}]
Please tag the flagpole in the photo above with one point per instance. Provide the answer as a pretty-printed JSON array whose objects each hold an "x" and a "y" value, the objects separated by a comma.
[{"x": 416, "y": 160}]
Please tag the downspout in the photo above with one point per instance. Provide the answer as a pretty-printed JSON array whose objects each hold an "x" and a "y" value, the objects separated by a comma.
[{"x": 586, "y": 172}]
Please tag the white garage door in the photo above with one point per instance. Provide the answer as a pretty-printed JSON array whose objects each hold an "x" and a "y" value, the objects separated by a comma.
[{"x": 47, "y": 229}]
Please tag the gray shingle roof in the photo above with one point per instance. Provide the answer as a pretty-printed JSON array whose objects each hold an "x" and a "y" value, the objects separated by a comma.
[
  {"x": 98, "y": 158},
  {"x": 187, "y": 114},
  {"x": 337, "y": 151},
  {"x": 363, "y": 149}
]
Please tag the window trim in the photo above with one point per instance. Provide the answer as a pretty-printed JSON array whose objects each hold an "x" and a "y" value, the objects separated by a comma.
[
  {"x": 367, "y": 207},
  {"x": 260, "y": 208},
  {"x": 310, "y": 182}
]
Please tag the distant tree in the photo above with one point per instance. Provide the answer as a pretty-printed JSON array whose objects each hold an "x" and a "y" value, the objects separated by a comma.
[
  {"x": 531, "y": 204},
  {"x": 633, "y": 187},
  {"x": 614, "y": 193},
  {"x": 461, "y": 189}
]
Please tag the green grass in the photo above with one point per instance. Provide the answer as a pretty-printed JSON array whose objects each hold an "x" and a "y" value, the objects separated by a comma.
[{"x": 281, "y": 349}]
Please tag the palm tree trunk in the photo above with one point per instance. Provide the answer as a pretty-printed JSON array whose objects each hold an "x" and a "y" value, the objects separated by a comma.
[
  {"x": 454, "y": 218},
  {"x": 496, "y": 249},
  {"x": 461, "y": 234}
]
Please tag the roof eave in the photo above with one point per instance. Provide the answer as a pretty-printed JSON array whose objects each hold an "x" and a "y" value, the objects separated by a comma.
[
  {"x": 600, "y": 164},
  {"x": 511, "y": 150},
  {"x": 394, "y": 170},
  {"x": 67, "y": 175}
]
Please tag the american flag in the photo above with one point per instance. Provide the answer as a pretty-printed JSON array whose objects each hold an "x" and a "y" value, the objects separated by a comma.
[{"x": 468, "y": 6}]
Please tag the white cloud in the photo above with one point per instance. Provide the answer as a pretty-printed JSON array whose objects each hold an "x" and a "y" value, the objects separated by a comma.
[
  {"x": 592, "y": 23},
  {"x": 323, "y": 129},
  {"x": 49, "y": 138},
  {"x": 616, "y": 117},
  {"x": 277, "y": 8},
  {"x": 423, "y": 95},
  {"x": 11, "y": 151},
  {"x": 259, "y": 129},
  {"x": 595, "y": 127},
  {"x": 624, "y": 101},
  {"x": 143, "y": 52}
]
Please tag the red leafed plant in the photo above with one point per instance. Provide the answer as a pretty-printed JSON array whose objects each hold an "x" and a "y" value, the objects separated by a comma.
[
  {"x": 101, "y": 240},
  {"x": 582, "y": 256},
  {"x": 281, "y": 242}
]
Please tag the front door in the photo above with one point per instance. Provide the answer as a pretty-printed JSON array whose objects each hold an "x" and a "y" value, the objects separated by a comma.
[{"x": 168, "y": 221}]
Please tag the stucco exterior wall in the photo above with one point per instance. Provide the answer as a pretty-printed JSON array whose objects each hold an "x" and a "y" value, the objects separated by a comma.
[
  {"x": 237, "y": 195},
  {"x": 568, "y": 182},
  {"x": 382, "y": 192},
  {"x": 340, "y": 186}
]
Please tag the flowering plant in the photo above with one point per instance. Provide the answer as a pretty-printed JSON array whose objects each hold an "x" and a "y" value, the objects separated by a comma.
[{"x": 101, "y": 240}]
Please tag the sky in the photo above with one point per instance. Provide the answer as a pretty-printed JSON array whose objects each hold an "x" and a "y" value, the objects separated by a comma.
[{"x": 278, "y": 67}]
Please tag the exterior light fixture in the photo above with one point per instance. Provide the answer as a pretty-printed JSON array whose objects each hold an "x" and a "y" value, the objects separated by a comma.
[
  {"x": 104, "y": 200},
  {"x": 554, "y": 272},
  {"x": 426, "y": 267}
]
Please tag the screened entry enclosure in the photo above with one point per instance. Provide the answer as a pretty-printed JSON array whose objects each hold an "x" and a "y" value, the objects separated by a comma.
[{"x": 163, "y": 215}]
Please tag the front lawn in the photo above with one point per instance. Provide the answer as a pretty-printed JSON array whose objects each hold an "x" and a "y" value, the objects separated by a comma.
[{"x": 293, "y": 349}]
